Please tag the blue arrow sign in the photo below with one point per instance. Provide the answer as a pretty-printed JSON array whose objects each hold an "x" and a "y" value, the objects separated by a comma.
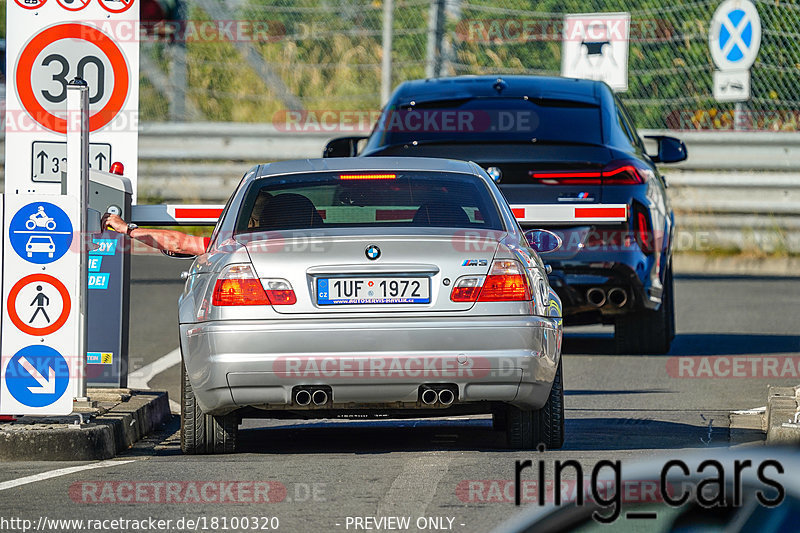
[
  {"x": 37, "y": 376},
  {"x": 40, "y": 232}
]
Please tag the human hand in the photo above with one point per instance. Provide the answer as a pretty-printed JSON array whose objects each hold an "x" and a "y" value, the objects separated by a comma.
[{"x": 114, "y": 222}]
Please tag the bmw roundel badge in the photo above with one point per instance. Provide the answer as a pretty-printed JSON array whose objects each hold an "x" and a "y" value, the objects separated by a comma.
[{"x": 372, "y": 252}]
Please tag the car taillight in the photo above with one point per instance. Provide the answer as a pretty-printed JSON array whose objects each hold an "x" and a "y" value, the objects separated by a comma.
[
  {"x": 279, "y": 292},
  {"x": 644, "y": 232},
  {"x": 506, "y": 282},
  {"x": 624, "y": 173},
  {"x": 467, "y": 289},
  {"x": 620, "y": 172},
  {"x": 238, "y": 285}
]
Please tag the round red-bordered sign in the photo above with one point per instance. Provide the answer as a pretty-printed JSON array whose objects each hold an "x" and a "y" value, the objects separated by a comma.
[
  {"x": 37, "y": 5},
  {"x": 52, "y": 34},
  {"x": 126, "y": 5},
  {"x": 79, "y": 3},
  {"x": 12, "y": 309}
]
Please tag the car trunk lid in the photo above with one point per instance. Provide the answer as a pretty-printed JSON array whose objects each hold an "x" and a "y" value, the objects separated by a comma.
[{"x": 313, "y": 263}]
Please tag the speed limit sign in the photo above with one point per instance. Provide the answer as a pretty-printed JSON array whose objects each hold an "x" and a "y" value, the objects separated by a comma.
[
  {"x": 49, "y": 43},
  {"x": 59, "y": 53}
]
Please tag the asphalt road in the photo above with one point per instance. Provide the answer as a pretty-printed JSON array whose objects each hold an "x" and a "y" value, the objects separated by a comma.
[{"x": 618, "y": 408}]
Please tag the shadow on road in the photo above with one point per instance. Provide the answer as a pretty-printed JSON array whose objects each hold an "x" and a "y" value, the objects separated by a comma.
[
  {"x": 604, "y": 392},
  {"x": 585, "y": 434},
  {"x": 691, "y": 344},
  {"x": 733, "y": 344}
]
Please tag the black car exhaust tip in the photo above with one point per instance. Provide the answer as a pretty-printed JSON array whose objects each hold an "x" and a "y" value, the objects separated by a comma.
[
  {"x": 302, "y": 397},
  {"x": 618, "y": 297},
  {"x": 446, "y": 397},
  {"x": 319, "y": 397},
  {"x": 596, "y": 297},
  {"x": 429, "y": 396}
]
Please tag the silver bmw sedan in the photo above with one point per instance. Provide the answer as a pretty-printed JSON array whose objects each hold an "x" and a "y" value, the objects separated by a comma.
[{"x": 392, "y": 287}]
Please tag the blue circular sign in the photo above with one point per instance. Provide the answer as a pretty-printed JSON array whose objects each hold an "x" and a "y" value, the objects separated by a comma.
[
  {"x": 40, "y": 233},
  {"x": 37, "y": 376},
  {"x": 735, "y": 35}
]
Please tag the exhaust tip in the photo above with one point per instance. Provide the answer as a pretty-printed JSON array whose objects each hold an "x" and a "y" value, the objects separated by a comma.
[
  {"x": 429, "y": 396},
  {"x": 302, "y": 397},
  {"x": 446, "y": 397},
  {"x": 618, "y": 297},
  {"x": 596, "y": 297},
  {"x": 320, "y": 397}
]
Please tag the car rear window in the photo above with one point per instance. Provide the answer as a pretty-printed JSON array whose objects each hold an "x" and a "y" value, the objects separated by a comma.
[
  {"x": 368, "y": 199},
  {"x": 490, "y": 120}
]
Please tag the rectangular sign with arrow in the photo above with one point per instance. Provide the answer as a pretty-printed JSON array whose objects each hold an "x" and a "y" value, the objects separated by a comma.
[{"x": 49, "y": 159}]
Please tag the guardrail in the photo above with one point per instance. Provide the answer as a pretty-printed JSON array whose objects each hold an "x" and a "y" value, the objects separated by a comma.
[{"x": 737, "y": 189}]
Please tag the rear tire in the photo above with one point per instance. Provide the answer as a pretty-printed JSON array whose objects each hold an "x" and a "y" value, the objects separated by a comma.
[
  {"x": 646, "y": 331},
  {"x": 202, "y": 433},
  {"x": 527, "y": 429}
]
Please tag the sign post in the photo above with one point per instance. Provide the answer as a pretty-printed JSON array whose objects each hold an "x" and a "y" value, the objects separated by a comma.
[
  {"x": 77, "y": 186},
  {"x": 734, "y": 38}
]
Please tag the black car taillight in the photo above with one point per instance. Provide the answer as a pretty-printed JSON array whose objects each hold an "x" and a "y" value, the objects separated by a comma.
[
  {"x": 618, "y": 172},
  {"x": 644, "y": 229}
]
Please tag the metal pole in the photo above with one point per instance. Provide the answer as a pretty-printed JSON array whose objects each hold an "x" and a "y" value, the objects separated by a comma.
[
  {"x": 386, "y": 62},
  {"x": 78, "y": 187},
  {"x": 433, "y": 56},
  {"x": 738, "y": 117},
  {"x": 177, "y": 48}
]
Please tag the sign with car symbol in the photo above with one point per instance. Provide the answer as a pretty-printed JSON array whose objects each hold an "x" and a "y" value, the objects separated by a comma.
[
  {"x": 40, "y": 232},
  {"x": 39, "y": 345},
  {"x": 595, "y": 47}
]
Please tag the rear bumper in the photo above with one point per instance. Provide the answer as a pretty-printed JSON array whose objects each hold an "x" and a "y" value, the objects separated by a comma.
[
  {"x": 629, "y": 269},
  {"x": 636, "y": 273},
  {"x": 373, "y": 363}
]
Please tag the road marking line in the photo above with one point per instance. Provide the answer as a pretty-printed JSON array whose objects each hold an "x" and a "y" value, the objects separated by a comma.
[
  {"x": 138, "y": 379},
  {"x": 414, "y": 488},
  {"x": 5, "y": 485}
]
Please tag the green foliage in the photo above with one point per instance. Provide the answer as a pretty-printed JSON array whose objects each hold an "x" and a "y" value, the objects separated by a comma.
[{"x": 328, "y": 53}]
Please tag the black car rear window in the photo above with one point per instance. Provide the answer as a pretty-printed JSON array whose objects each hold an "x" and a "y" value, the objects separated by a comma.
[
  {"x": 368, "y": 199},
  {"x": 490, "y": 120}
]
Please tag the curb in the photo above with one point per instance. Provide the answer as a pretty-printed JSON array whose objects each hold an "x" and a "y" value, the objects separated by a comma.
[
  {"x": 742, "y": 266},
  {"x": 130, "y": 416},
  {"x": 782, "y": 420}
]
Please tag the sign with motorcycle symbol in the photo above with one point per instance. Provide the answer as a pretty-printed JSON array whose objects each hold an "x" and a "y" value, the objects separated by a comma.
[{"x": 40, "y": 232}]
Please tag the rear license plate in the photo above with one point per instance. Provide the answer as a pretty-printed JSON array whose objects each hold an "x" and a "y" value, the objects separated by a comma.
[{"x": 400, "y": 290}]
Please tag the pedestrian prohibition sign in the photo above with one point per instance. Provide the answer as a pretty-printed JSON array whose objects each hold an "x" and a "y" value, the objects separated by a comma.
[
  {"x": 37, "y": 376},
  {"x": 38, "y": 304},
  {"x": 735, "y": 35}
]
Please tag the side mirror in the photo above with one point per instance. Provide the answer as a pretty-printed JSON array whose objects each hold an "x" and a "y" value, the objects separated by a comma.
[
  {"x": 670, "y": 149},
  {"x": 343, "y": 147},
  {"x": 543, "y": 241},
  {"x": 176, "y": 255}
]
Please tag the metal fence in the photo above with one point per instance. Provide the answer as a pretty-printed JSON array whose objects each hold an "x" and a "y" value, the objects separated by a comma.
[{"x": 250, "y": 60}]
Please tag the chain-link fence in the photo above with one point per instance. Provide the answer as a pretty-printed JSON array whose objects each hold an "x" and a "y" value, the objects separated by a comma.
[{"x": 327, "y": 55}]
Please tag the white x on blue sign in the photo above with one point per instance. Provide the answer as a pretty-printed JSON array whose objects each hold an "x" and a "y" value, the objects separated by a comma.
[{"x": 735, "y": 35}]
